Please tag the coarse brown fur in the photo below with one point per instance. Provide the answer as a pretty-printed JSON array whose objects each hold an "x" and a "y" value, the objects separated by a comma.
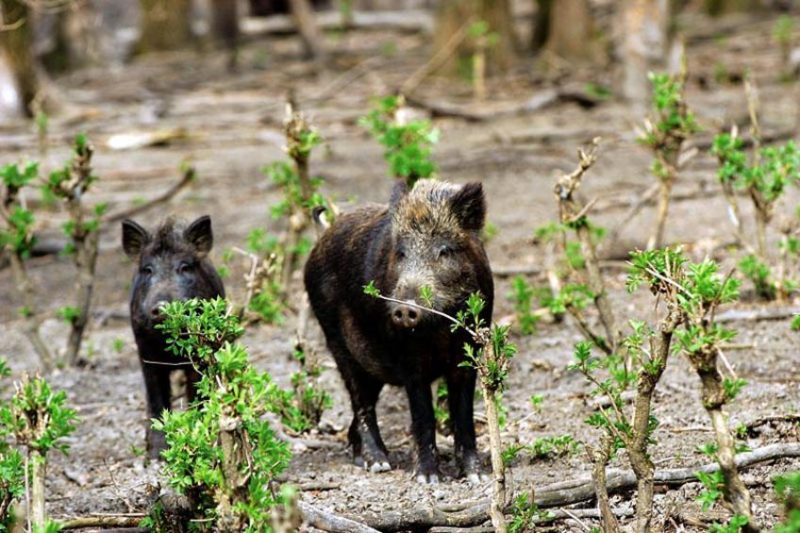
[{"x": 426, "y": 237}]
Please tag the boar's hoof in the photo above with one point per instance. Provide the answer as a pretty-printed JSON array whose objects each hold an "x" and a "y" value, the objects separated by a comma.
[
  {"x": 379, "y": 467},
  {"x": 428, "y": 479},
  {"x": 373, "y": 462},
  {"x": 473, "y": 478},
  {"x": 471, "y": 468}
]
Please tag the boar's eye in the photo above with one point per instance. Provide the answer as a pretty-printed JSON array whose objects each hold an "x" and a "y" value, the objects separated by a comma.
[
  {"x": 400, "y": 255},
  {"x": 444, "y": 252},
  {"x": 185, "y": 268},
  {"x": 146, "y": 270}
]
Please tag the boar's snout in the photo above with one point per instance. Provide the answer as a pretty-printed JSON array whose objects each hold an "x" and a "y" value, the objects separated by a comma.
[
  {"x": 405, "y": 316},
  {"x": 156, "y": 310}
]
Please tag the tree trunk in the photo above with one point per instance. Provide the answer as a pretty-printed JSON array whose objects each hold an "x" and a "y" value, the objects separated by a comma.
[
  {"x": 306, "y": 23},
  {"x": 165, "y": 25},
  {"x": 541, "y": 24},
  {"x": 644, "y": 25},
  {"x": 721, "y": 7},
  {"x": 453, "y": 15},
  {"x": 38, "y": 466},
  {"x": 225, "y": 27},
  {"x": 571, "y": 35},
  {"x": 16, "y": 41}
]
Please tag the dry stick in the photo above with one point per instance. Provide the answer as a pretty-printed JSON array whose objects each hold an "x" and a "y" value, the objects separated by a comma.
[
  {"x": 235, "y": 454},
  {"x": 498, "y": 502},
  {"x": 734, "y": 213},
  {"x": 600, "y": 457},
  {"x": 669, "y": 163},
  {"x": 25, "y": 287},
  {"x": 479, "y": 68},
  {"x": 564, "y": 493},
  {"x": 648, "y": 378},
  {"x": 86, "y": 243},
  {"x": 762, "y": 207},
  {"x": 734, "y": 490},
  {"x": 437, "y": 60},
  {"x": 570, "y": 210},
  {"x": 102, "y": 521},
  {"x": 634, "y": 210},
  {"x": 31, "y": 316},
  {"x": 188, "y": 177},
  {"x": 38, "y": 471},
  {"x": 306, "y": 24},
  {"x": 325, "y": 521},
  {"x": 296, "y": 128}
]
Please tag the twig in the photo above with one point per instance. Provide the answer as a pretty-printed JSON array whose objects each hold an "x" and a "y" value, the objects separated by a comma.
[
  {"x": 330, "y": 522},
  {"x": 128, "y": 520},
  {"x": 571, "y": 213},
  {"x": 188, "y": 176},
  {"x": 438, "y": 59},
  {"x": 779, "y": 313}
]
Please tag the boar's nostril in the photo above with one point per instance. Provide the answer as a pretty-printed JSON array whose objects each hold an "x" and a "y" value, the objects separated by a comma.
[
  {"x": 405, "y": 316},
  {"x": 155, "y": 311}
]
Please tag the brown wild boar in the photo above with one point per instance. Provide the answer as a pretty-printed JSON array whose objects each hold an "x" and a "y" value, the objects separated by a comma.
[{"x": 426, "y": 237}]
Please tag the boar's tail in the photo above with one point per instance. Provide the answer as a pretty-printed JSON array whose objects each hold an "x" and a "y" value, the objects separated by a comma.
[{"x": 321, "y": 217}]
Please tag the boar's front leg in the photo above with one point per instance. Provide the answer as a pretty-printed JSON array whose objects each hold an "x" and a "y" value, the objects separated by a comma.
[
  {"x": 423, "y": 426},
  {"x": 157, "y": 387},
  {"x": 460, "y": 396}
]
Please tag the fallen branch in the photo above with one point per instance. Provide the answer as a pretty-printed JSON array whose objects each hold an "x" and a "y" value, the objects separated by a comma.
[
  {"x": 330, "y": 522},
  {"x": 705, "y": 143},
  {"x": 768, "y": 313},
  {"x": 411, "y": 20},
  {"x": 189, "y": 174},
  {"x": 131, "y": 520},
  {"x": 563, "y": 493}
]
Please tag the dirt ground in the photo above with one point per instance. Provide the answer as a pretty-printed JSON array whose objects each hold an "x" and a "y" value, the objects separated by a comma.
[{"x": 233, "y": 128}]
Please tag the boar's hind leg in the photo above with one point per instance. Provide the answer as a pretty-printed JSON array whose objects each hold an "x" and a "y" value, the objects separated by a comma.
[
  {"x": 156, "y": 382},
  {"x": 192, "y": 379},
  {"x": 423, "y": 426},
  {"x": 460, "y": 395},
  {"x": 369, "y": 451}
]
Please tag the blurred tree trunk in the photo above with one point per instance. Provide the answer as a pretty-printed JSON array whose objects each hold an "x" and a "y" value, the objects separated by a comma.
[
  {"x": 225, "y": 27},
  {"x": 58, "y": 58},
  {"x": 644, "y": 28},
  {"x": 720, "y": 7},
  {"x": 571, "y": 35},
  {"x": 16, "y": 41},
  {"x": 541, "y": 24},
  {"x": 165, "y": 25},
  {"x": 306, "y": 23},
  {"x": 451, "y": 18}
]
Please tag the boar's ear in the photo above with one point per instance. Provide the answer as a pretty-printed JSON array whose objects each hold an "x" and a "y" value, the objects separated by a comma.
[
  {"x": 399, "y": 190},
  {"x": 469, "y": 206},
  {"x": 199, "y": 235},
  {"x": 134, "y": 238}
]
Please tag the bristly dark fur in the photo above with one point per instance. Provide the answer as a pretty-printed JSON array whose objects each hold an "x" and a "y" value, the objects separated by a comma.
[
  {"x": 172, "y": 264},
  {"x": 426, "y": 236}
]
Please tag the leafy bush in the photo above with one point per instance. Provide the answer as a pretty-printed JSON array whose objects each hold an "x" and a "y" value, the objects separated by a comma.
[
  {"x": 222, "y": 452},
  {"x": 407, "y": 144}
]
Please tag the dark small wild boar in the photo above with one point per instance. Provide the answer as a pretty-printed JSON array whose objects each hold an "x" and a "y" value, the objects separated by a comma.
[
  {"x": 426, "y": 237},
  {"x": 172, "y": 264}
]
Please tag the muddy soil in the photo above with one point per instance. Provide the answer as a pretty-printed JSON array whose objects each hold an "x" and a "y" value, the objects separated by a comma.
[{"x": 232, "y": 128}]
